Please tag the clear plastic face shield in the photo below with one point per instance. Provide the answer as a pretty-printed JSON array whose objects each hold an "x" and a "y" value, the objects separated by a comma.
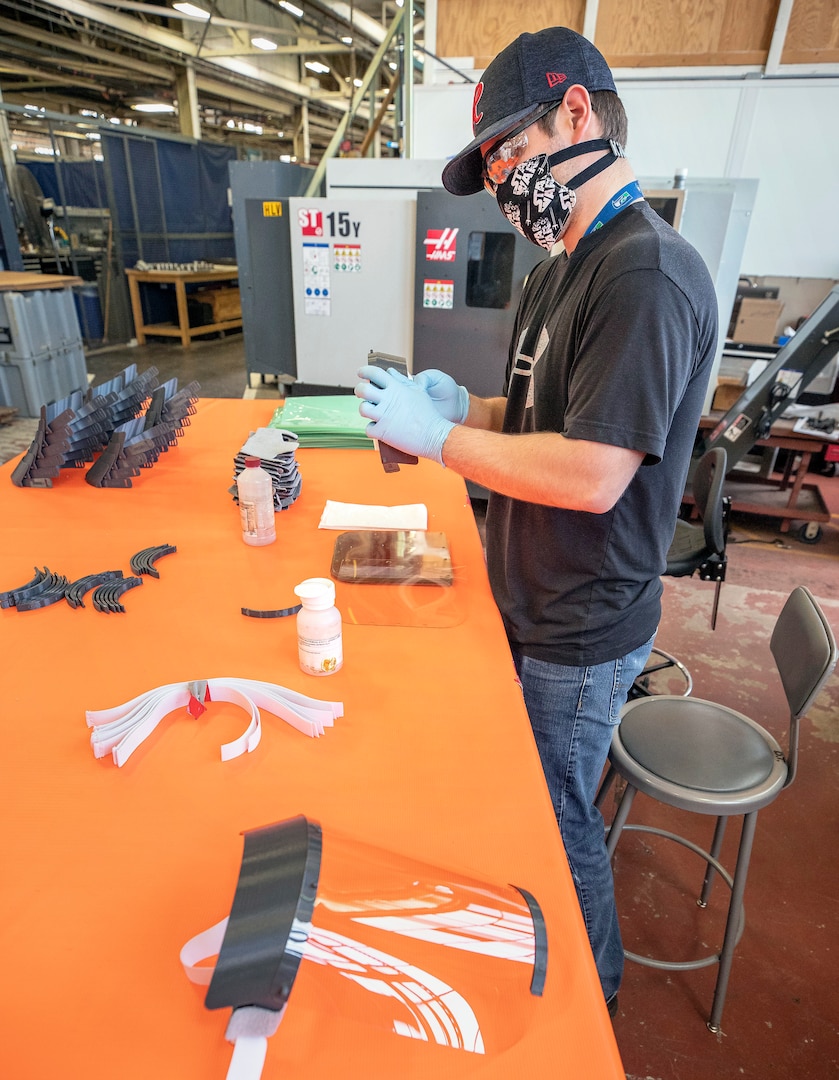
[{"x": 324, "y": 923}]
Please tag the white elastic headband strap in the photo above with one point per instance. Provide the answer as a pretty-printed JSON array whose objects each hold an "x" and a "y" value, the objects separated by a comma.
[
  {"x": 250, "y": 1026},
  {"x": 122, "y": 729}
]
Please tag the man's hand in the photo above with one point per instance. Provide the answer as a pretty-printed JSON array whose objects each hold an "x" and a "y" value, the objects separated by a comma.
[
  {"x": 402, "y": 412},
  {"x": 450, "y": 399}
]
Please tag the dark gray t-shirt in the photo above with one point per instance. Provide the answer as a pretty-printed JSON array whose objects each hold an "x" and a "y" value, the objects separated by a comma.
[{"x": 611, "y": 345}]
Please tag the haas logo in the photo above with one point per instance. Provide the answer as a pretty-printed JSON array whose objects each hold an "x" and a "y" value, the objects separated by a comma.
[{"x": 440, "y": 245}]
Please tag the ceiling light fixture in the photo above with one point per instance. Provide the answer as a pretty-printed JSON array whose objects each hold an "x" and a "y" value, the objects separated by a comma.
[
  {"x": 291, "y": 9},
  {"x": 153, "y": 107},
  {"x": 347, "y": 40},
  {"x": 263, "y": 43},
  {"x": 191, "y": 9},
  {"x": 317, "y": 66}
]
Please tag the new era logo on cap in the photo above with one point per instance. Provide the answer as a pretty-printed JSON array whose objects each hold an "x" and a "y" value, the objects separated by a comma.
[{"x": 554, "y": 78}]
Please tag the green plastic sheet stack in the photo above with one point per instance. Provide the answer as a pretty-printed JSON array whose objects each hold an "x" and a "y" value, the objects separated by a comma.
[{"x": 330, "y": 421}]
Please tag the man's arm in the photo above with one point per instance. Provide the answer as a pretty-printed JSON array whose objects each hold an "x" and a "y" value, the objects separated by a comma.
[
  {"x": 486, "y": 413},
  {"x": 539, "y": 467},
  {"x": 542, "y": 467}
]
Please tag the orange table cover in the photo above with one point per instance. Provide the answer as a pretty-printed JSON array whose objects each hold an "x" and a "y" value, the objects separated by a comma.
[{"x": 107, "y": 872}]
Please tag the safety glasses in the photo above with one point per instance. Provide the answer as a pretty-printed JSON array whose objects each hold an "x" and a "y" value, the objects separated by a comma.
[{"x": 502, "y": 159}]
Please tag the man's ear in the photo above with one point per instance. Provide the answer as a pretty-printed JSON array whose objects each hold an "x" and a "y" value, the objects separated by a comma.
[{"x": 577, "y": 112}]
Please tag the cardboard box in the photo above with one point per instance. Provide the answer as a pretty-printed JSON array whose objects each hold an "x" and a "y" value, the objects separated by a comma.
[
  {"x": 225, "y": 302},
  {"x": 727, "y": 392},
  {"x": 744, "y": 370},
  {"x": 756, "y": 321}
]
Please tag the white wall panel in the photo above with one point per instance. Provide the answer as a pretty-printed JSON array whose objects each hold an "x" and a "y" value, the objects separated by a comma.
[
  {"x": 679, "y": 127},
  {"x": 780, "y": 133},
  {"x": 794, "y": 150}
]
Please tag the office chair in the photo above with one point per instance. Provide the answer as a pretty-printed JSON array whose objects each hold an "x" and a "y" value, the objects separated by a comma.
[
  {"x": 700, "y": 756},
  {"x": 695, "y": 547}
]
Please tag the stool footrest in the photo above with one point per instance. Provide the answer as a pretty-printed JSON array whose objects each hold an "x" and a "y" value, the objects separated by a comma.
[
  {"x": 659, "y": 660},
  {"x": 703, "y": 961}
]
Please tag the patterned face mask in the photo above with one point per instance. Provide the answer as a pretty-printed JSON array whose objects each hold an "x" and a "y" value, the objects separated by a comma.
[{"x": 536, "y": 204}]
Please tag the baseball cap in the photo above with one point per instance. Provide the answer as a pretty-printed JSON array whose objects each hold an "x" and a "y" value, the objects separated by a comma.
[{"x": 521, "y": 84}]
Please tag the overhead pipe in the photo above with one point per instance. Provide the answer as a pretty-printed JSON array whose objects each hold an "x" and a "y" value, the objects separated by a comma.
[
  {"x": 408, "y": 81},
  {"x": 358, "y": 97},
  {"x": 380, "y": 115}
]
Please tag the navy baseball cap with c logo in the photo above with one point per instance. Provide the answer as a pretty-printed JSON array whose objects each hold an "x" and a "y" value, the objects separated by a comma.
[{"x": 522, "y": 83}]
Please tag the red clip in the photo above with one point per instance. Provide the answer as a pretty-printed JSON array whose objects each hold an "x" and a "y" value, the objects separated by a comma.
[{"x": 199, "y": 692}]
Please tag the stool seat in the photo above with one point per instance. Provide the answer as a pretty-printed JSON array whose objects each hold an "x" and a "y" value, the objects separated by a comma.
[
  {"x": 698, "y": 745},
  {"x": 687, "y": 550}
]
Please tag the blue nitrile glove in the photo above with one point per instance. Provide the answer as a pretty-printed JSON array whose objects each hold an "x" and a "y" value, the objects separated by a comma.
[
  {"x": 403, "y": 414},
  {"x": 450, "y": 399}
]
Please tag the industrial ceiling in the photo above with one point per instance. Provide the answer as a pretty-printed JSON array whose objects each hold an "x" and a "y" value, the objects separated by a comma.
[{"x": 274, "y": 78}]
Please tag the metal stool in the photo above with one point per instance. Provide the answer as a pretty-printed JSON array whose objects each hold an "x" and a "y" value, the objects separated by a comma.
[{"x": 704, "y": 757}]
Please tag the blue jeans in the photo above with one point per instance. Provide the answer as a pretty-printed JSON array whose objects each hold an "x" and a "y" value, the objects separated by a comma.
[{"x": 573, "y": 712}]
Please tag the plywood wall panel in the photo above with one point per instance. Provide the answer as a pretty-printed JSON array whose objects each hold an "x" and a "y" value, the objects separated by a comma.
[
  {"x": 813, "y": 33},
  {"x": 658, "y": 27},
  {"x": 681, "y": 33},
  {"x": 648, "y": 33},
  {"x": 747, "y": 28},
  {"x": 482, "y": 28}
]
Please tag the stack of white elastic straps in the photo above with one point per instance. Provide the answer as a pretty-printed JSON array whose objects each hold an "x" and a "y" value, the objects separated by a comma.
[{"x": 122, "y": 729}]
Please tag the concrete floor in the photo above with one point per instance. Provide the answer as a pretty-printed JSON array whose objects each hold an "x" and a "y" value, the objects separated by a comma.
[{"x": 782, "y": 1013}]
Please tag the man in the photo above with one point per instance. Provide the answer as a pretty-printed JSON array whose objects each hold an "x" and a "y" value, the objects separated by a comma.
[{"x": 586, "y": 454}]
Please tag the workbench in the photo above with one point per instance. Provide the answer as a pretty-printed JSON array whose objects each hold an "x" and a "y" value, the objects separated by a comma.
[
  {"x": 23, "y": 281},
  {"x": 180, "y": 279},
  {"x": 788, "y": 497},
  {"x": 109, "y": 871}
]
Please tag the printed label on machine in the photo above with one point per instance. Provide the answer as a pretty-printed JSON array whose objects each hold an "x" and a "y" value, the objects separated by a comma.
[
  {"x": 346, "y": 258},
  {"x": 440, "y": 245},
  {"x": 736, "y": 429},
  {"x": 437, "y": 294},
  {"x": 310, "y": 222},
  {"x": 316, "y": 279}
]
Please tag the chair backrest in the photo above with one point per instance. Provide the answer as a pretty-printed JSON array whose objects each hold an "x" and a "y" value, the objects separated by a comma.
[
  {"x": 805, "y": 653},
  {"x": 707, "y": 484}
]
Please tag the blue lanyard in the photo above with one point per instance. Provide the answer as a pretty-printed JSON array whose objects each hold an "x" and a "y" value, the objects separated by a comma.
[{"x": 630, "y": 194}]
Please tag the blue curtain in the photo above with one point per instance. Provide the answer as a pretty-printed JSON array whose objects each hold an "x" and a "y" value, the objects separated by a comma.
[
  {"x": 177, "y": 188},
  {"x": 84, "y": 182}
]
